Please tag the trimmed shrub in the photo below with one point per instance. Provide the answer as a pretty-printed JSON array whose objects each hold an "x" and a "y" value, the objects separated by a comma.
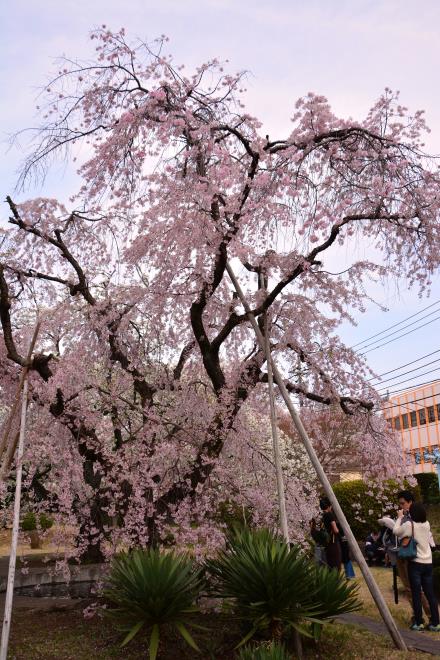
[
  {"x": 363, "y": 516},
  {"x": 429, "y": 489},
  {"x": 30, "y": 523}
]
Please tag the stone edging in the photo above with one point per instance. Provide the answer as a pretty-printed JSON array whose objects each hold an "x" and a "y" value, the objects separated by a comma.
[{"x": 44, "y": 582}]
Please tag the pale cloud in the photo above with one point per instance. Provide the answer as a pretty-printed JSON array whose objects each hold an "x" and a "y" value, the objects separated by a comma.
[{"x": 348, "y": 50}]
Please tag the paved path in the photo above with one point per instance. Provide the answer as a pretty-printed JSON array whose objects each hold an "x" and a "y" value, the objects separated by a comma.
[{"x": 415, "y": 640}]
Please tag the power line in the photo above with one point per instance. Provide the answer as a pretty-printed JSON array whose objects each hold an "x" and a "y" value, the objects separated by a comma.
[
  {"x": 413, "y": 387},
  {"x": 403, "y": 405},
  {"x": 403, "y": 365},
  {"x": 400, "y": 337},
  {"x": 408, "y": 380},
  {"x": 404, "y": 374},
  {"x": 395, "y": 325},
  {"x": 406, "y": 408},
  {"x": 407, "y": 403},
  {"x": 399, "y": 330}
]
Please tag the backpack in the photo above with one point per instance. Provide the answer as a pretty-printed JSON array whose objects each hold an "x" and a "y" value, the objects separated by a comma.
[
  {"x": 390, "y": 542},
  {"x": 321, "y": 536}
]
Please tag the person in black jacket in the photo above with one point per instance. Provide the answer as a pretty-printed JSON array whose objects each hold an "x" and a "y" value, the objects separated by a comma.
[
  {"x": 374, "y": 550},
  {"x": 333, "y": 548}
]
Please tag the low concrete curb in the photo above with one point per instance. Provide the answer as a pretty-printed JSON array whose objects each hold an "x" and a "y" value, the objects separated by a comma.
[{"x": 45, "y": 582}]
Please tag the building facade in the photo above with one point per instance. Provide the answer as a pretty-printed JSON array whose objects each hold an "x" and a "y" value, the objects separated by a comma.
[{"x": 415, "y": 415}]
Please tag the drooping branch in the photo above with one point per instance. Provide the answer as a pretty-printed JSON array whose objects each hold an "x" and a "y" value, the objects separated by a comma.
[
  {"x": 304, "y": 264},
  {"x": 35, "y": 274},
  {"x": 82, "y": 285},
  {"x": 347, "y": 403}
]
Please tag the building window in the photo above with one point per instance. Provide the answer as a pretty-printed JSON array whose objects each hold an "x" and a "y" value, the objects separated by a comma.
[
  {"x": 397, "y": 423},
  {"x": 413, "y": 416},
  {"x": 431, "y": 414},
  {"x": 405, "y": 421},
  {"x": 422, "y": 416},
  {"x": 438, "y": 411}
]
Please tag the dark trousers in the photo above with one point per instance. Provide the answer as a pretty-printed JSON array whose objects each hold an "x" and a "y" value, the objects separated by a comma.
[
  {"x": 420, "y": 577},
  {"x": 333, "y": 554}
]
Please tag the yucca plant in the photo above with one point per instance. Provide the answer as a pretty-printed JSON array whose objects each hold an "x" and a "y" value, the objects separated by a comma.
[
  {"x": 270, "y": 651},
  {"x": 271, "y": 587},
  {"x": 150, "y": 588},
  {"x": 334, "y": 595}
]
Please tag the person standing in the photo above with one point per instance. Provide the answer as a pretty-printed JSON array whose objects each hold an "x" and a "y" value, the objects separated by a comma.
[
  {"x": 406, "y": 500},
  {"x": 345, "y": 553},
  {"x": 333, "y": 547},
  {"x": 420, "y": 568},
  {"x": 320, "y": 538}
]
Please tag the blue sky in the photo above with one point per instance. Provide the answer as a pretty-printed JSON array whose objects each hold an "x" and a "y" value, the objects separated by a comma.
[{"x": 348, "y": 51}]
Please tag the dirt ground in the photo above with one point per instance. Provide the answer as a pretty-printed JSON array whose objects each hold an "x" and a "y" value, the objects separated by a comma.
[{"x": 67, "y": 635}]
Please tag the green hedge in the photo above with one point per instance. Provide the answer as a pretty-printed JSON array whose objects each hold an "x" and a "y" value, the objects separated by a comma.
[
  {"x": 363, "y": 520},
  {"x": 29, "y": 522},
  {"x": 428, "y": 483}
]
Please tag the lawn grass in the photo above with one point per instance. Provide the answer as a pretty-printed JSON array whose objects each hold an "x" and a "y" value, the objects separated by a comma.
[
  {"x": 401, "y": 612},
  {"x": 352, "y": 642}
]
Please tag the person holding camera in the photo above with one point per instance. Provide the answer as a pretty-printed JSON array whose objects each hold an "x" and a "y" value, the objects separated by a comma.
[{"x": 414, "y": 531}]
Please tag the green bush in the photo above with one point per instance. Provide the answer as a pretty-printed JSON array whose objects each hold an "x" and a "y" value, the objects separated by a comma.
[
  {"x": 429, "y": 489},
  {"x": 363, "y": 520},
  {"x": 150, "y": 588},
  {"x": 276, "y": 588},
  {"x": 334, "y": 594},
  {"x": 264, "y": 652},
  {"x": 30, "y": 523}
]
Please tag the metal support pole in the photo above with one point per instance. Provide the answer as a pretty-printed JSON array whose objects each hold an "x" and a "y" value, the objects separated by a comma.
[
  {"x": 275, "y": 438},
  {"x": 15, "y": 528},
  {"x": 4, "y": 440},
  {"x": 16, "y": 521},
  {"x": 8, "y": 425},
  {"x": 372, "y": 586}
]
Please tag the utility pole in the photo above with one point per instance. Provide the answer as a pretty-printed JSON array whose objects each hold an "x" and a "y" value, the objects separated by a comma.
[{"x": 372, "y": 586}]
